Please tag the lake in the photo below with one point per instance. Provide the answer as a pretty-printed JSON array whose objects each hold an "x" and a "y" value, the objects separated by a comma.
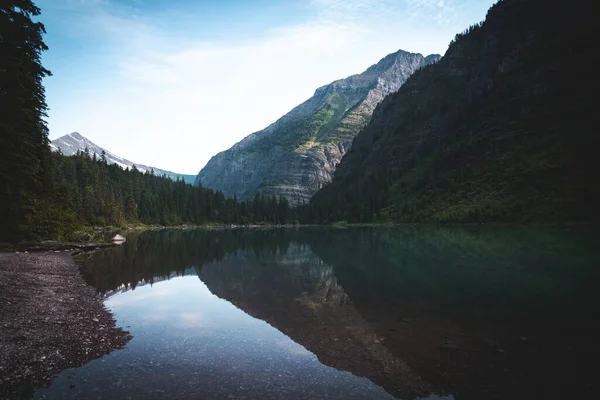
[{"x": 410, "y": 312}]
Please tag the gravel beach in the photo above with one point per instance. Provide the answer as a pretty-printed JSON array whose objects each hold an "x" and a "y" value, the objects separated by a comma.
[{"x": 50, "y": 320}]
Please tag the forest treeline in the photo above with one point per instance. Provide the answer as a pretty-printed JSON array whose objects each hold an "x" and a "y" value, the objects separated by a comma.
[{"x": 86, "y": 191}]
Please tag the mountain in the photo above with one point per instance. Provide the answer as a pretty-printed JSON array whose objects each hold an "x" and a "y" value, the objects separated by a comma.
[
  {"x": 297, "y": 155},
  {"x": 500, "y": 129},
  {"x": 73, "y": 142}
]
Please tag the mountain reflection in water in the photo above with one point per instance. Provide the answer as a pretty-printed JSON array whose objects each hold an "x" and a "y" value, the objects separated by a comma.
[{"x": 473, "y": 312}]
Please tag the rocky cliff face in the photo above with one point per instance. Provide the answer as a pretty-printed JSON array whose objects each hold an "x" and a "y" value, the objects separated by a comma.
[{"x": 297, "y": 155}]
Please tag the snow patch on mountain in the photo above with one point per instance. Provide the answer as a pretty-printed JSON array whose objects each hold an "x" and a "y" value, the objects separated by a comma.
[{"x": 75, "y": 142}]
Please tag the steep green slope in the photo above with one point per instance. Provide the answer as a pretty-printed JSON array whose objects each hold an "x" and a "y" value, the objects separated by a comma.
[{"x": 499, "y": 129}]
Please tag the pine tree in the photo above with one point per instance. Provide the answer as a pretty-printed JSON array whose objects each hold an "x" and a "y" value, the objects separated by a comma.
[{"x": 24, "y": 151}]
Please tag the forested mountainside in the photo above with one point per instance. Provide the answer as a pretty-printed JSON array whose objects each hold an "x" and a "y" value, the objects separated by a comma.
[
  {"x": 75, "y": 142},
  {"x": 297, "y": 155},
  {"x": 500, "y": 129}
]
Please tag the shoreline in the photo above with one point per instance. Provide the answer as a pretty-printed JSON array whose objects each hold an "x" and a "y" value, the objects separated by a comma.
[
  {"x": 51, "y": 245},
  {"x": 87, "y": 246},
  {"x": 50, "y": 320}
]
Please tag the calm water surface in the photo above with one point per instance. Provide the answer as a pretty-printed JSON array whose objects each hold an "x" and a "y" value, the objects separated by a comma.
[{"x": 377, "y": 313}]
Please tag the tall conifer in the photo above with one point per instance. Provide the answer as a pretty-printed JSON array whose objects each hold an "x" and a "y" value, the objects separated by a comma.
[{"x": 23, "y": 133}]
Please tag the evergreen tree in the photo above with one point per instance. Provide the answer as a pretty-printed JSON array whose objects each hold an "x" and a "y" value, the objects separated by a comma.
[{"x": 24, "y": 152}]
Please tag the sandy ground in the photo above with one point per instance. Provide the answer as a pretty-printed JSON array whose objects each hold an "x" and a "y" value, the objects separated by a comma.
[{"x": 50, "y": 320}]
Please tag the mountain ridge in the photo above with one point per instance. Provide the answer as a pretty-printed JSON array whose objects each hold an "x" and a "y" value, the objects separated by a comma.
[{"x": 297, "y": 154}]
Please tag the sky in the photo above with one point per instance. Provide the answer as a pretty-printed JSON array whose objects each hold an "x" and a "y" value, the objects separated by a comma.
[{"x": 170, "y": 83}]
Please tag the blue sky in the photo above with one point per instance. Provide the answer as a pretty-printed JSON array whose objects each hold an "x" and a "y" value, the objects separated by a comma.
[{"x": 170, "y": 83}]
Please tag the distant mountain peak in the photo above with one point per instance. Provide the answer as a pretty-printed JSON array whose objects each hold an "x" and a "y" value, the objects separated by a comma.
[
  {"x": 74, "y": 142},
  {"x": 76, "y": 135}
]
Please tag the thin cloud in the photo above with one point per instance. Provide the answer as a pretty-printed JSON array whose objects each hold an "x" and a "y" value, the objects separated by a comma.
[
  {"x": 358, "y": 11},
  {"x": 440, "y": 11}
]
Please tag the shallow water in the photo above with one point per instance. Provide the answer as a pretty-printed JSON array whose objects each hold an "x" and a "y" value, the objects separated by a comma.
[{"x": 370, "y": 313}]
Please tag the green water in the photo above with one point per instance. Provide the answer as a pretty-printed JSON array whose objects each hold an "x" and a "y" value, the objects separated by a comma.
[{"x": 464, "y": 312}]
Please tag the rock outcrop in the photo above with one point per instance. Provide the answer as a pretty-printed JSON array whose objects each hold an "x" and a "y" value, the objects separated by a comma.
[{"x": 297, "y": 155}]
